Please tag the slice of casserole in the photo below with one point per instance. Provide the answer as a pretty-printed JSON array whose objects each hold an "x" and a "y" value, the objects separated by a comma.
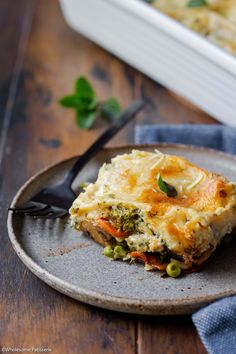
[{"x": 158, "y": 209}]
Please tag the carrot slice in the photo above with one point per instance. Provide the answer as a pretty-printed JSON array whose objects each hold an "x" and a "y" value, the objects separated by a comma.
[
  {"x": 110, "y": 229},
  {"x": 139, "y": 256},
  {"x": 150, "y": 259}
]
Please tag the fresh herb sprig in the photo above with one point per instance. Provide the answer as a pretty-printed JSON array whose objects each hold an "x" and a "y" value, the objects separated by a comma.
[
  {"x": 86, "y": 106},
  {"x": 196, "y": 3},
  {"x": 166, "y": 188}
]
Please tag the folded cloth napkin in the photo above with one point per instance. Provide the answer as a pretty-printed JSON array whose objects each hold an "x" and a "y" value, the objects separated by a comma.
[
  {"x": 216, "y": 323},
  {"x": 212, "y": 136},
  {"x": 216, "y": 326}
]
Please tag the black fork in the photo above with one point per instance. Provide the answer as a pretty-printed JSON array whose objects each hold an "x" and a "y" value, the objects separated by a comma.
[{"x": 53, "y": 202}]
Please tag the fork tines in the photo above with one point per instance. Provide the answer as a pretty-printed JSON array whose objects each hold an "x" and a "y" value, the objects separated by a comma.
[{"x": 40, "y": 210}]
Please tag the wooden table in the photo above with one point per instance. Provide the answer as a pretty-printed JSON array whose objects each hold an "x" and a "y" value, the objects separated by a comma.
[{"x": 40, "y": 58}]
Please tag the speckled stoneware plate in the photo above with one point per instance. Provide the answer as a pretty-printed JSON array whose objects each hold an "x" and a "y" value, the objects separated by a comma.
[{"x": 73, "y": 263}]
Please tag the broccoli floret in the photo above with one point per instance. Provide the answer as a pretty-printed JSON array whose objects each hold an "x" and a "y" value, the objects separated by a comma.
[{"x": 125, "y": 219}]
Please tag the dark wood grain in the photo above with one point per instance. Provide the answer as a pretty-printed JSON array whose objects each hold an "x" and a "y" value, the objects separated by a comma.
[
  {"x": 15, "y": 21},
  {"x": 11, "y": 24},
  {"x": 169, "y": 335},
  {"x": 41, "y": 133}
]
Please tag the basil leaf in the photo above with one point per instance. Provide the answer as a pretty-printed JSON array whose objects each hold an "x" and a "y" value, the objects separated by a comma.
[
  {"x": 85, "y": 104},
  {"x": 84, "y": 90},
  {"x": 85, "y": 119},
  {"x": 71, "y": 101},
  {"x": 81, "y": 103},
  {"x": 196, "y": 3},
  {"x": 166, "y": 187},
  {"x": 161, "y": 184},
  {"x": 110, "y": 109}
]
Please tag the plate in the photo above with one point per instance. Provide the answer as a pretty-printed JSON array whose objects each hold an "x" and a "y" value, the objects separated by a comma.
[{"x": 72, "y": 263}]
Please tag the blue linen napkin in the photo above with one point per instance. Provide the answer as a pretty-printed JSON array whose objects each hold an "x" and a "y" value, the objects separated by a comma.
[
  {"x": 216, "y": 323},
  {"x": 216, "y": 326},
  {"x": 212, "y": 136}
]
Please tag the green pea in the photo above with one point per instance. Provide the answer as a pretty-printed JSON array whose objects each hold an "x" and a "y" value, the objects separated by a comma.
[
  {"x": 108, "y": 251},
  {"x": 173, "y": 270},
  {"x": 119, "y": 252}
]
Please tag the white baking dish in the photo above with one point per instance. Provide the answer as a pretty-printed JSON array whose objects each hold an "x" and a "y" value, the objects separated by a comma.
[{"x": 161, "y": 48}]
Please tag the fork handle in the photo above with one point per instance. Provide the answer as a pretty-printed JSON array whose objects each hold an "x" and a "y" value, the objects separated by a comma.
[{"x": 124, "y": 118}]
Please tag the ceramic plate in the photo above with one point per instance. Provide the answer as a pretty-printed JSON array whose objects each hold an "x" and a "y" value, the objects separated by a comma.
[{"x": 73, "y": 264}]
